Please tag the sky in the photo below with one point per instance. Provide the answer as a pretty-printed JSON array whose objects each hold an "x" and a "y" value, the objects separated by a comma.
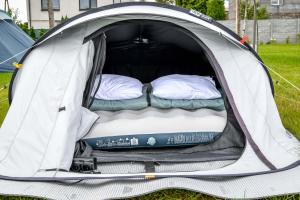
[{"x": 19, "y": 5}]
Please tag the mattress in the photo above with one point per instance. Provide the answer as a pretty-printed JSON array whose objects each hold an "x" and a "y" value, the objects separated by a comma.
[{"x": 152, "y": 127}]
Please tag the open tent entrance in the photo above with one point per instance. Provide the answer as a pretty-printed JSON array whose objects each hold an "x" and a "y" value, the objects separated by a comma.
[{"x": 147, "y": 50}]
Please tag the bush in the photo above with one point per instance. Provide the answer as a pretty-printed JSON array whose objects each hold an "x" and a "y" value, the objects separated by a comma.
[
  {"x": 287, "y": 40},
  {"x": 216, "y": 9},
  {"x": 199, "y": 5},
  {"x": 272, "y": 41},
  {"x": 32, "y": 33},
  {"x": 63, "y": 19},
  {"x": 42, "y": 32},
  {"x": 298, "y": 38},
  {"x": 23, "y": 26},
  {"x": 166, "y": 1},
  {"x": 262, "y": 13}
]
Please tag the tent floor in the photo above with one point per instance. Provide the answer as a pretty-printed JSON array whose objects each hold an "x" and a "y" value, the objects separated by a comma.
[{"x": 285, "y": 182}]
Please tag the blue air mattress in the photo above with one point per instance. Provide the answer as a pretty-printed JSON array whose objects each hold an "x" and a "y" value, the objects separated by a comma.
[{"x": 152, "y": 127}]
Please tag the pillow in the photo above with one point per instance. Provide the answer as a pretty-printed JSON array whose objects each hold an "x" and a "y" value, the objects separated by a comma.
[
  {"x": 178, "y": 86},
  {"x": 187, "y": 104},
  {"x": 117, "y": 87},
  {"x": 123, "y": 104}
]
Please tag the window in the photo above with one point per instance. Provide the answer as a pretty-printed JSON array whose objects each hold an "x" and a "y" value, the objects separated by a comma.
[
  {"x": 87, "y": 4},
  {"x": 55, "y": 3},
  {"x": 276, "y": 2}
]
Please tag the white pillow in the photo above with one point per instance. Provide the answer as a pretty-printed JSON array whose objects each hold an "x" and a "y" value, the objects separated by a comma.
[
  {"x": 178, "y": 86},
  {"x": 117, "y": 87}
]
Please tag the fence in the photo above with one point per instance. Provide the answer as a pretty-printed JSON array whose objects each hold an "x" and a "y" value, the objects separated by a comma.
[{"x": 279, "y": 30}]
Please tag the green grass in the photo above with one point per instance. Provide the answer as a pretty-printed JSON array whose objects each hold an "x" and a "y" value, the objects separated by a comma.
[
  {"x": 284, "y": 59},
  {"x": 4, "y": 80}
]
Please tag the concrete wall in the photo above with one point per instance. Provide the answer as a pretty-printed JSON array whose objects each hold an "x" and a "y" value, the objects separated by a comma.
[{"x": 278, "y": 29}]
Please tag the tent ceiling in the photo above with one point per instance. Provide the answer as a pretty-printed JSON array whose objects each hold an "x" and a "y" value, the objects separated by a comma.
[{"x": 151, "y": 31}]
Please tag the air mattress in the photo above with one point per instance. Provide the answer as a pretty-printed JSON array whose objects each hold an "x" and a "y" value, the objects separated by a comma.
[{"x": 152, "y": 127}]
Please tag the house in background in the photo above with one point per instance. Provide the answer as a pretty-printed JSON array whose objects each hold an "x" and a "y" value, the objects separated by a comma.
[
  {"x": 275, "y": 8},
  {"x": 37, "y": 10}
]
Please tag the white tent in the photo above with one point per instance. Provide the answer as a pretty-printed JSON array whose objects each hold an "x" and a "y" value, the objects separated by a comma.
[{"x": 48, "y": 113}]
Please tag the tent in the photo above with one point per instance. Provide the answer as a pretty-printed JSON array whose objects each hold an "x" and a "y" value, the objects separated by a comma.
[
  {"x": 13, "y": 41},
  {"x": 39, "y": 135}
]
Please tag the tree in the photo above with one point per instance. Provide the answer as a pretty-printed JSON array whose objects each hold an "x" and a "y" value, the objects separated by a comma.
[
  {"x": 6, "y": 5},
  {"x": 199, "y": 5},
  {"x": 216, "y": 9},
  {"x": 50, "y": 13},
  {"x": 261, "y": 11}
]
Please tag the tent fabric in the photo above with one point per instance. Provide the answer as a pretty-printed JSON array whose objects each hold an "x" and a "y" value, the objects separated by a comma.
[
  {"x": 46, "y": 141},
  {"x": 48, "y": 131},
  {"x": 260, "y": 117},
  {"x": 13, "y": 41},
  {"x": 250, "y": 187}
]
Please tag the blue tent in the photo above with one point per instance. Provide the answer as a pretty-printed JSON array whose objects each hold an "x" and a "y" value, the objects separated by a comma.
[{"x": 12, "y": 41}]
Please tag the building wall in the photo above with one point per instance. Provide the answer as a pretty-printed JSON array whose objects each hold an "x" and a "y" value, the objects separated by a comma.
[
  {"x": 70, "y": 8},
  {"x": 287, "y": 9},
  {"x": 279, "y": 30}
]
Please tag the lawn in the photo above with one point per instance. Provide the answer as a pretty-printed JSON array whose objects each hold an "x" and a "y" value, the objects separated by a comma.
[
  {"x": 285, "y": 59},
  {"x": 4, "y": 82}
]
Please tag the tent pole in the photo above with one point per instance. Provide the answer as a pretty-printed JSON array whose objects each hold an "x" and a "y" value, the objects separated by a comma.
[
  {"x": 245, "y": 17},
  {"x": 5, "y": 5},
  {"x": 237, "y": 17},
  {"x": 254, "y": 27}
]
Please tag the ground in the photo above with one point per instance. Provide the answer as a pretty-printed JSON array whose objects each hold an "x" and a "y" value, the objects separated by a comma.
[{"x": 284, "y": 59}]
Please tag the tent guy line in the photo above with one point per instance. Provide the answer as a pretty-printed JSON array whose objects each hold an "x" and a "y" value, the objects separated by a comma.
[
  {"x": 275, "y": 72},
  {"x": 13, "y": 44},
  {"x": 2, "y": 62},
  {"x": 3, "y": 100},
  {"x": 283, "y": 97}
]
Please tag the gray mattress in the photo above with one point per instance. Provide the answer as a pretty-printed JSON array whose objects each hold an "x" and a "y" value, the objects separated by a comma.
[{"x": 152, "y": 127}]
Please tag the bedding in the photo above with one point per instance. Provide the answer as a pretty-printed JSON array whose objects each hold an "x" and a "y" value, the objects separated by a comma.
[
  {"x": 178, "y": 86},
  {"x": 152, "y": 127},
  {"x": 117, "y": 87},
  {"x": 188, "y": 104},
  {"x": 123, "y": 104}
]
